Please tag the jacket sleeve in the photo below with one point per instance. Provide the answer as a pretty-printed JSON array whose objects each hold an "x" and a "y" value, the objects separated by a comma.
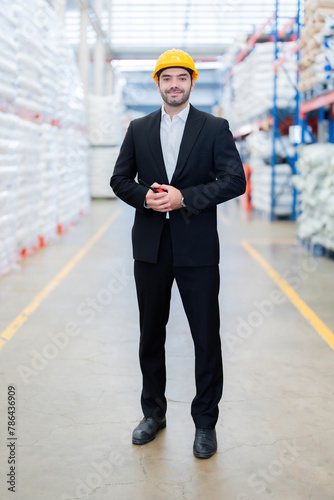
[
  {"x": 123, "y": 179},
  {"x": 228, "y": 177}
]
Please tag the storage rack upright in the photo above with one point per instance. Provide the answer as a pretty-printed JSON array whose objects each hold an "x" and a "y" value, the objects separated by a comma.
[
  {"x": 289, "y": 32},
  {"x": 323, "y": 104}
]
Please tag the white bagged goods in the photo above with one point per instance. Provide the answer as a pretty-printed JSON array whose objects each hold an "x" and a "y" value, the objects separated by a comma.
[
  {"x": 105, "y": 133},
  {"x": 249, "y": 93},
  {"x": 268, "y": 183},
  {"x": 316, "y": 184},
  {"x": 43, "y": 148},
  {"x": 265, "y": 181},
  {"x": 8, "y": 190},
  {"x": 317, "y": 44},
  {"x": 101, "y": 162}
]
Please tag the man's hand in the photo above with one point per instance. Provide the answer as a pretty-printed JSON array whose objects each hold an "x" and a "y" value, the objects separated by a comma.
[
  {"x": 157, "y": 201},
  {"x": 174, "y": 196},
  {"x": 164, "y": 202}
]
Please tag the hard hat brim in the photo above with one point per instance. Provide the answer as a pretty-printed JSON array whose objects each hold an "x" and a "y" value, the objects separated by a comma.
[{"x": 175, "y": 59}]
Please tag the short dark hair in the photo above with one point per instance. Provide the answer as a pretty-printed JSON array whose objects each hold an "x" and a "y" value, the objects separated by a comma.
[{"x": 190, "y": 71}]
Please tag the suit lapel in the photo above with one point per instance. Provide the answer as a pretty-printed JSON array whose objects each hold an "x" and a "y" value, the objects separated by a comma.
[
  {"x": 193, "y": 126},
  {"x": 154, "y": 142}
]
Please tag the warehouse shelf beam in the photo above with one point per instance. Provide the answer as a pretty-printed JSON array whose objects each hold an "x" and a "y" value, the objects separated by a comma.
[
  {"x": 320, "y": 104},
  {"x": 253, "y": 39},
  {"x": 316, "y": 103},
  {"x": 262, "y": 124},
  {"x": 287, "y": 28},
  {"x": 331, "y": 125}
]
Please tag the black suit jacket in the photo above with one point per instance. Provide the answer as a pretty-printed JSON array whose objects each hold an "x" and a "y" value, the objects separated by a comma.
[{"x": 209, "y": 171}]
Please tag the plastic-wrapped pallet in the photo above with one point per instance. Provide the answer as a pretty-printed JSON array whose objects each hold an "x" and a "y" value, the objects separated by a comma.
[
  {"x": 104, "y": 120},
  {"x": 262, "y": 178},
  {"x": 251, "y": 92},
  {"x": 259, "y": 146},
  {"x": 101, "y": 161},
  {"x": 105, "y": 132},
  {"x": 43, "y": 145},
  {"x": 316, "y": 184}
]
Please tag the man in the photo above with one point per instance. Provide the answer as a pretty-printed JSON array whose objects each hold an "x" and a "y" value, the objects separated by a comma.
[{"x": 190, "y": 160}]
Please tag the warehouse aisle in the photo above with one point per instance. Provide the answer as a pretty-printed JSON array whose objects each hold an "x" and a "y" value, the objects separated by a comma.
[{"x": 71, "y": 356}]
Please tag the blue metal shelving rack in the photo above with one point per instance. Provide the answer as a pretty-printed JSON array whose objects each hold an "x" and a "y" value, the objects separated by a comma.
[
  {"x": 294, "y": 24},
  {"x": 323, "y": 104},
  {"x": 291, "y": 30}
]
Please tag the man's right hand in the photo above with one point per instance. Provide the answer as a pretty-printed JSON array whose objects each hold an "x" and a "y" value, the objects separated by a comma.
[{"x": 158, "y": 201}]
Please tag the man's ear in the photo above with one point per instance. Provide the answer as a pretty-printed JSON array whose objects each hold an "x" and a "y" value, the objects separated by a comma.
[
  {"x": 157, "y": 85},
  {"x": 192, "y": 84}
]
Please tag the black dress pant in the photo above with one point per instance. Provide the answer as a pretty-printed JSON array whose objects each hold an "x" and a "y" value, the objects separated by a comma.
[{"x": 198, "y": 287}]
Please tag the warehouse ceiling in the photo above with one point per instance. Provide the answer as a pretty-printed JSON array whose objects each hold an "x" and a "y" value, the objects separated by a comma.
[
  {"x": 136, "y": 32},
  {"x": 206, "y": 29}
]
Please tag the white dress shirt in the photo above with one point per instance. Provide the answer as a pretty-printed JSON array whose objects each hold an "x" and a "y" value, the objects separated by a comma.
[{"x": 171, "y": 133}]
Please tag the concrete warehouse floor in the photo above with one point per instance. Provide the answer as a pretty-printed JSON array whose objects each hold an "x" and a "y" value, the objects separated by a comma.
[{"x": 72, "y": 358}]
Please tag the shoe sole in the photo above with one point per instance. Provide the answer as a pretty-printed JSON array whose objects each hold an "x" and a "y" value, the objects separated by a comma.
[
  {"x": 204, "y": 455},
  {"x": 145, "y": 441}
]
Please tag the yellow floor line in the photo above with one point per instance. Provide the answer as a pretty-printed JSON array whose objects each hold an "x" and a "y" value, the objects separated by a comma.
[
  {"x": 224, "y": 219},
  {"x": 302, "y": 307},
  {"x": 273, "y": 241},
  {"x": 14, "y": 326}
]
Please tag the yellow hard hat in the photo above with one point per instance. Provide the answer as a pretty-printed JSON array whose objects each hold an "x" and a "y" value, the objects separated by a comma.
[{"x": 176, "y": 58}]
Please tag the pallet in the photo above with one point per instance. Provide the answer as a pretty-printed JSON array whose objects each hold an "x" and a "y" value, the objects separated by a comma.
[
  {"x": 317, "y": 91},
  {"x": 316, "y": 249}
]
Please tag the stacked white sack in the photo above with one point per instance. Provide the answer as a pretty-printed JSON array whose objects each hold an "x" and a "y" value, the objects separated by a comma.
[
  {"x": 73, "y": 187},
  {"x": 29, "y": 186},
  {"x": 8, "y": 58},
  {"x": 8, "y": 190},
  {"x": 8, "y": 138},
  {"x": 316, "y": 183},
  {"x": 251, "y": 92},
  {"x": 317, "y": 44},
  {"x": 324, "y": 62},
  {"x": 105, "y": 133},
  {"x": 43, "y": 149},
  {"x": 29, "y": 109}
]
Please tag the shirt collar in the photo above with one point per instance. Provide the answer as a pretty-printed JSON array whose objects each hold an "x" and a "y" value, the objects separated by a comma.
[{"x": 183, "y": 114}]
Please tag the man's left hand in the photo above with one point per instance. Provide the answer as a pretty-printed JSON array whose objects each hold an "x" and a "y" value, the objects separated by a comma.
[{"x": 174, "y": 195}]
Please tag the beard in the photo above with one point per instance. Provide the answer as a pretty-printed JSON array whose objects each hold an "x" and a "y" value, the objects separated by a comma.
[{"x": 176, "y": 100}]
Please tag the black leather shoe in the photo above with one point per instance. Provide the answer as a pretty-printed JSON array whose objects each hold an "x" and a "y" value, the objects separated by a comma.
[
  {"x": 147, "y": 430},
  {"x": 205, "y": 444}
]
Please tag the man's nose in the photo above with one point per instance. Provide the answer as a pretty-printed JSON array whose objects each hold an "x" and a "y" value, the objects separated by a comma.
[{"x": 174, "y": 82}]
